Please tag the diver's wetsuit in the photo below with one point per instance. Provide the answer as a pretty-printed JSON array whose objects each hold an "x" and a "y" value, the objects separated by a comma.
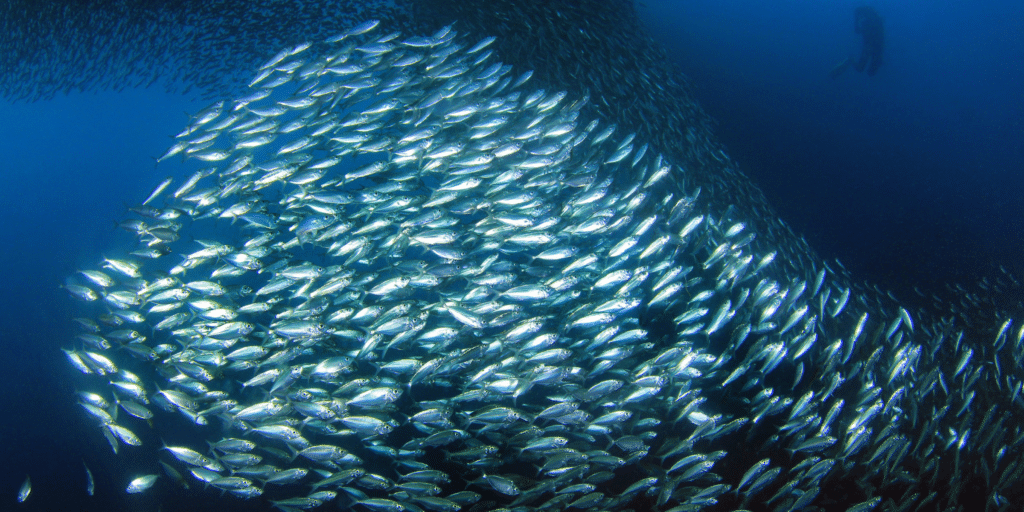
[{"x": 868, "y": 24}]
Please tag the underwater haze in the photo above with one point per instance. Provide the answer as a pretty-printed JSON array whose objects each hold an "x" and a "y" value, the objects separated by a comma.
[
  {"x": 71, "y": 166},
  {"x": 912, "y": 177}
]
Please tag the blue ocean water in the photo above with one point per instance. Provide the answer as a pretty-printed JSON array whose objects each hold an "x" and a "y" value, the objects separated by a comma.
[
  {"x": 911, "y": 178},
  {"x": 71, "y": 165}
]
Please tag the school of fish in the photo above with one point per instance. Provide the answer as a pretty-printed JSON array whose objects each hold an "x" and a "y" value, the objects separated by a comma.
[
  {"x": 399, "y": 274},
  {"x": 53, "y": 48}
]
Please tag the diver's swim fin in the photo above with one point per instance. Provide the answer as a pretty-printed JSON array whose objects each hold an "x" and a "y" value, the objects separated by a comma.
[{"x": 841, "y": 67}]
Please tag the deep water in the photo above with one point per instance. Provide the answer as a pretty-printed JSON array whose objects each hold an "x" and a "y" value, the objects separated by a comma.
[
  {"x": 911, "y": 177},
  {"x": 70, "y": 168}
]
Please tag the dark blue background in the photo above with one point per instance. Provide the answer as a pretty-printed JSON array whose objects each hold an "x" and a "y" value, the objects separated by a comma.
[
  {"x": 69, "y": 168},
  {"x": 910, "y": 177}
]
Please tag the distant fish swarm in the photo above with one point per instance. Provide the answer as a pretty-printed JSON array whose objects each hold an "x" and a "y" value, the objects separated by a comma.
[
  {"x": 404, "y": 278},
  {"x": 53, "y": 48}
]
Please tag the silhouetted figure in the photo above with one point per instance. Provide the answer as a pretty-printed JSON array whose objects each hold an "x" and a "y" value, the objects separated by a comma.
[{"x": 868, "y": 24}]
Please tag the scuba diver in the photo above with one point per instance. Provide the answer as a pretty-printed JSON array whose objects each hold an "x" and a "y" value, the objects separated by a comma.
[{"x": 868, "y": 24}]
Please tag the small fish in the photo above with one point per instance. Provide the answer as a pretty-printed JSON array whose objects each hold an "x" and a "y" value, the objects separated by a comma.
[
  {"x": 158, "y": 190},
  {"x": 25, "y": 490},
  {"x": 141, "y": 484},
  {"x": 174, "y": 474},
  {"x": 90, "y": 484}
]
